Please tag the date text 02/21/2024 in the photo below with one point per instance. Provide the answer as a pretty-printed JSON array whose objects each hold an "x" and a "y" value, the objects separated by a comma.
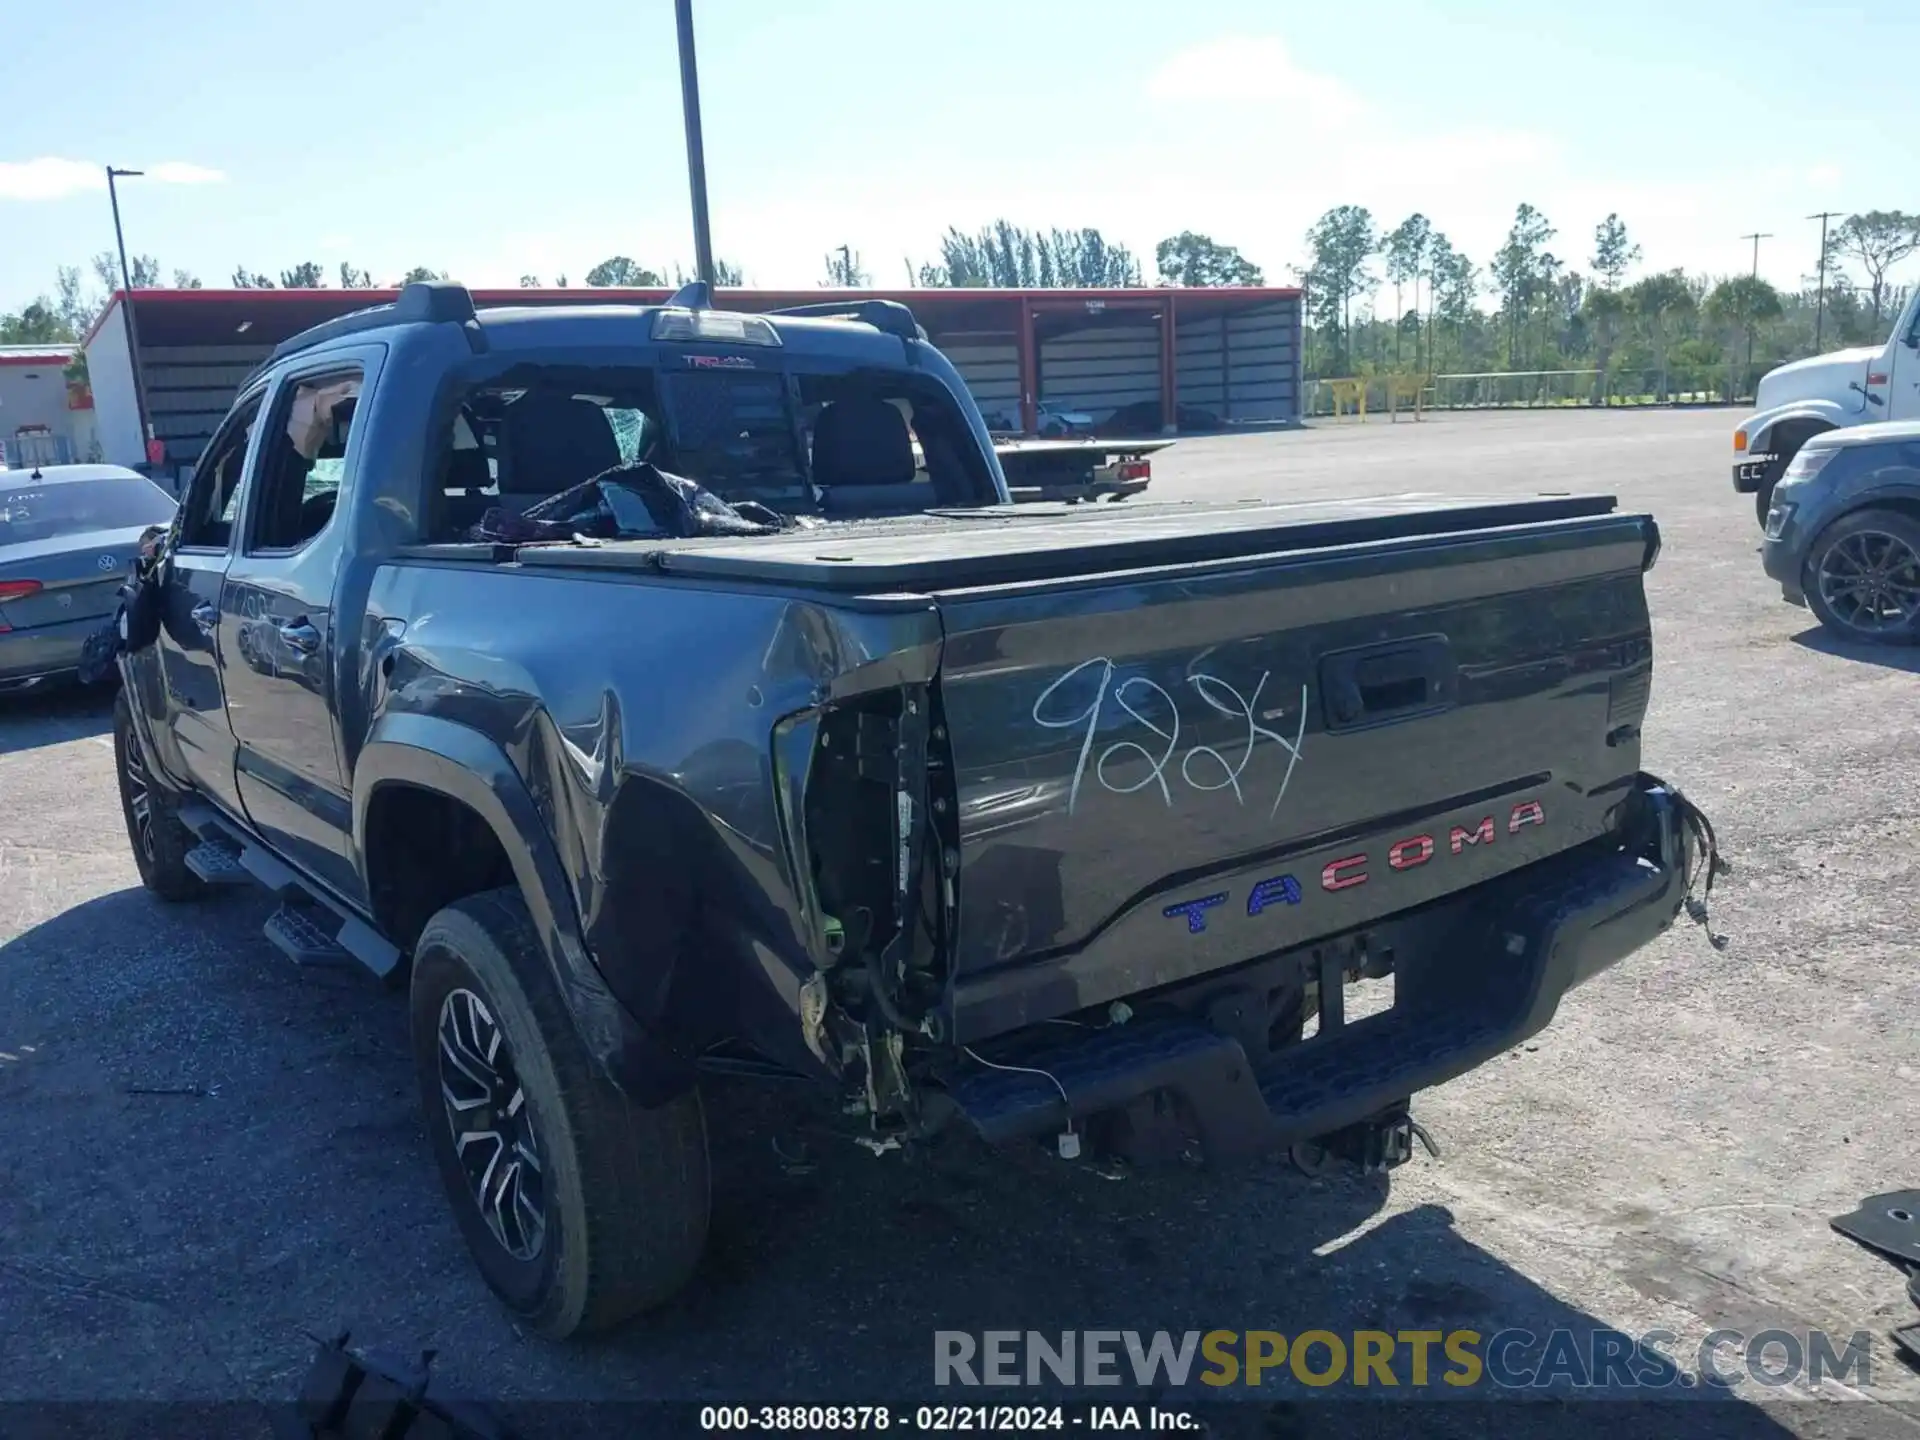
[{"x": 942, "y": 1419}]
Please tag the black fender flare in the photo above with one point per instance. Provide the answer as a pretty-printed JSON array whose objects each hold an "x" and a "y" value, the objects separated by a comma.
[{"x": 445, "y": 757}]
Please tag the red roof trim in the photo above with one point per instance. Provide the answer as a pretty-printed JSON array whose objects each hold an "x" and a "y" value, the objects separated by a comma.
[
  {"x": 61, "y": 358},
  {"x": 933, "y": 297},
  {"x": 100, "y": 319},
  {"x": 617, "y": 295}
]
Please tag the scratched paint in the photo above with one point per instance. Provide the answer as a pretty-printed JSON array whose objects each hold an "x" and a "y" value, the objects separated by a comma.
[{"x": 1138, "y": 702}]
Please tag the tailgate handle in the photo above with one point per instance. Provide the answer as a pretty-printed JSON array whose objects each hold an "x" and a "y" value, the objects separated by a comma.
[{"x": 1387, "y": 682}]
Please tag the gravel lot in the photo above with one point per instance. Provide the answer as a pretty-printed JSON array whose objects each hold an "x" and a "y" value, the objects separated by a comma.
[{"x": 205, "y": 1154}]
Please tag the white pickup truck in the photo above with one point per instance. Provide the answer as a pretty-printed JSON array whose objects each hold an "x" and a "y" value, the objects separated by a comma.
[{"x": 1826, "y": 392}]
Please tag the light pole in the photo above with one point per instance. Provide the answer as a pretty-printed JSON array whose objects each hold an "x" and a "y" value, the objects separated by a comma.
[
  {"x": 1820, "y": 303},
  {"x": 1756, "y": 238},
  {"x": 696, "y": 152},
  {"x": 133, "y": 329}
]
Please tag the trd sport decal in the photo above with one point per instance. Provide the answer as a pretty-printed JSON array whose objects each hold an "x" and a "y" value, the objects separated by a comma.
[{"x": 1351, "y": 870}]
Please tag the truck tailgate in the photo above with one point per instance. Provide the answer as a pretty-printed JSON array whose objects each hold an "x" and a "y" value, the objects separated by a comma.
[{"x": 1168, "y": 770}]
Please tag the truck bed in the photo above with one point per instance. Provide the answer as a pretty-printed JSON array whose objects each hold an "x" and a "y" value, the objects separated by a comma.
[{"x": 1007, "y": 545}]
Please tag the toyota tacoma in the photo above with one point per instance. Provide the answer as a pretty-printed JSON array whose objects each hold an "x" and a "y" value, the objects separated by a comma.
[{"x": 662, "y": 693}]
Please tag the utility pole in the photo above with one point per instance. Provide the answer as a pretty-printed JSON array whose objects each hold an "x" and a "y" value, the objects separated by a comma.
[
  {"x": 133, "y": 331},
  {"x": 1756, "y": 237},
  {"x": 1820, "y": 303},
  {"x": 696, "y": 151}
]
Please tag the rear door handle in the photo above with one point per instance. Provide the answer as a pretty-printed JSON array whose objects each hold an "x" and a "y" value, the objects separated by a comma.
[
  {"x": 299, "y": 635},
  {"x": 206, "y": 617}
]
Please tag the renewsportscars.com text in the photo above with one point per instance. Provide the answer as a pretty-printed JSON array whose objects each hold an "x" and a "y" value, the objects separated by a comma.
[{"x": 1459, "y": 1359}]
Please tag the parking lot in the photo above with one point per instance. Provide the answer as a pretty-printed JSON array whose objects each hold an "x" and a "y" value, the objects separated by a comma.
[{"x": 206, "y": 1155}]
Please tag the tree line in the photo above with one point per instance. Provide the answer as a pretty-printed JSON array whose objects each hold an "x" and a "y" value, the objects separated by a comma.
[{"x": 1546, "y": 312}]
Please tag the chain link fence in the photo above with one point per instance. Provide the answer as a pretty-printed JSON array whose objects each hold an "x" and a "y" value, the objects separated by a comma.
[{"x": 1534, "y": 390}]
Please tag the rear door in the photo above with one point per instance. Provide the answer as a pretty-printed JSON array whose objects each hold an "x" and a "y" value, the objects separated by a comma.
[
  {"x": 277, "y": 618},
  {"x": 190, "y": 606},
  {"x": 1903, "y": 361}
]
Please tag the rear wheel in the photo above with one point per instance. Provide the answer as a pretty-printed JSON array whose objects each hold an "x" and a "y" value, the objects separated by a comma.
[
  {"x": 160, "y": 841},
  {"x": 580, "y": 1209},
  {"x": 1863, "y": 577}
]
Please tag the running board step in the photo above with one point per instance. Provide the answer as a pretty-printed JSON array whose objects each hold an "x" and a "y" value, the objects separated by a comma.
[
  {"x": 218, "y": 864},
  {"x": 303, "y": 935},
  {"x": 316, "y": 934}
]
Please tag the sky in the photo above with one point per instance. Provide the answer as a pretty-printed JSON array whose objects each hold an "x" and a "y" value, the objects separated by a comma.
[{"x": 493, "y": 139}]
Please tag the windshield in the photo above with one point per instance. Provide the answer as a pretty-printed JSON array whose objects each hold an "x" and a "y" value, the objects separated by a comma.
[{"x": 74, "y": 507}]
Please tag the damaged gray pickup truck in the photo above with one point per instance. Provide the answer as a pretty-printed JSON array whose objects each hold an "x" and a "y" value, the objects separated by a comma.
[{"x": 666, "y": 693}]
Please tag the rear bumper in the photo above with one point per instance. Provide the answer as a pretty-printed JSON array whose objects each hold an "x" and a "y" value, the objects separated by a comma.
[
  {"x": 1475, "y": 975},
  {"x": 30, "y": 655}
]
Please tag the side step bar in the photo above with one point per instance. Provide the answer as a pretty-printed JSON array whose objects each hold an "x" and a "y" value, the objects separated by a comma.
[{"x": 309, "y": 928}]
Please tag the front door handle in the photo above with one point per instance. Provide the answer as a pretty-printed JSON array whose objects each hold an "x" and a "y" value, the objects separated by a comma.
[
  {"x": 206, "y": 617},
  {"x": 299, "y": 635}
]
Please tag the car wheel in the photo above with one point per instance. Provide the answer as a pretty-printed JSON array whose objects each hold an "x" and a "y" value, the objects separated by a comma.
[
  {"x": 1863, "y": 577},
  {"x": 580, "y": 1209},
  {"x": 159, "y": 839}
]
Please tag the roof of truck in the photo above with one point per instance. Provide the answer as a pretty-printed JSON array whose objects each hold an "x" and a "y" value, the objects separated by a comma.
[{"x": 862, "y": 329}]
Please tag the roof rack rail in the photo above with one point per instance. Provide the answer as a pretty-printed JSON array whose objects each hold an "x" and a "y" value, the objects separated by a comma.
[
  {"x": 422, "y": 302},
  {"x": 889, "y": 316}
]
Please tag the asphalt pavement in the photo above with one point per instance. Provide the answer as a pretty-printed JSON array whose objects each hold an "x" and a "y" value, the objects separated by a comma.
[{"x": 207, "y": 1156}]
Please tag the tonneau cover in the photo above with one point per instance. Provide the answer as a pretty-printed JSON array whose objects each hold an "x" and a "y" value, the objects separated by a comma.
[{"x": 1006, "y": 544}]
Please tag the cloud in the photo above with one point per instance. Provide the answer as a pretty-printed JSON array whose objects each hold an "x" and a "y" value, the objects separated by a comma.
[
  {"x": 1252, "y": 71},
  {"x": 182, "y": 172},
  {"x": 50, "y": 178}
]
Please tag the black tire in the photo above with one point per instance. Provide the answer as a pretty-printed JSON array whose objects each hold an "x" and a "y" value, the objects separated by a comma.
[
  {"x": 602, "y": 1210},
  {"x": 1863, "y": 577},
  {"x": 1786, "y": 447},
  {"x": 160, "y": 841}
]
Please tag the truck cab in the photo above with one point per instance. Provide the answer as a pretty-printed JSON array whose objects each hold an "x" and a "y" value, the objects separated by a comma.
[{"x": 1799, "y": 400}]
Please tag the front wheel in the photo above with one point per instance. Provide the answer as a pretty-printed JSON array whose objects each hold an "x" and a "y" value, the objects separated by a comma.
[
  {"x": 1863, "y": 577},
  {"x": 580, "y": 1209},
  {"x": 159, "y": 839}
]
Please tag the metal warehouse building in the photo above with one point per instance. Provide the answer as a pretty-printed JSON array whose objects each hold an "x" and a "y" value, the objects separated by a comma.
[{"x": 1170, "y": 358}]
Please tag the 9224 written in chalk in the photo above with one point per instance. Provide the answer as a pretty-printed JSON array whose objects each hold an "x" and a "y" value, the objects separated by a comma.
[{"x": 1143, "y": 703}]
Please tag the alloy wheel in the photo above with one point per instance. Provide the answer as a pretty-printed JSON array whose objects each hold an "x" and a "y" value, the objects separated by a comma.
[
  {"x": 139, "y": 796},
  {"x": 1870, "y": 580},
  {"x": 491, "y": 1125}
]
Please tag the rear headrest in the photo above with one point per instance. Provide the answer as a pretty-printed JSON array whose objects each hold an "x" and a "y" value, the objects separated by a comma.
[
  {"x": 466, "y": 469},
  {"x": 553, "y": 442},
  {"x": 861, "y": 442}
]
